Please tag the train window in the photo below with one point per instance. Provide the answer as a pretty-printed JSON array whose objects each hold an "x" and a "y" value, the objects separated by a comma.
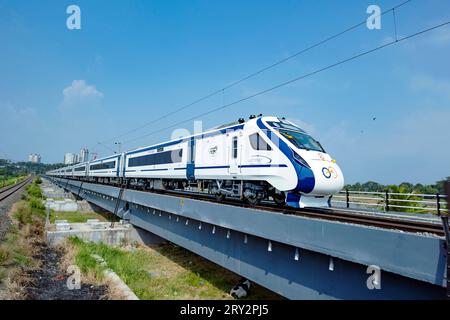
[
  {"x": 258, "y": 143},
  {"x": 80, "y": 168},
  {"x": 284, "y": 125},
  {"x": 235, "y": 147},
  {"x": 103, "y": 166},
  {"x": 302, "y": 141},
  {"x": 166, "y": 157}
]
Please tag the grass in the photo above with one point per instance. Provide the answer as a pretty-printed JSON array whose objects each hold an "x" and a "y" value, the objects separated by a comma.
[
  {"x": 163, "y": 272},
  {"x": 7, "y": 181},
  {"x": 4, "y": 255},
  {"x": 20, "y": 242},
  {"x": 76, "y": 217},
  {"x": 160, "y": 272},
  {"x": 34, "y": 190}
]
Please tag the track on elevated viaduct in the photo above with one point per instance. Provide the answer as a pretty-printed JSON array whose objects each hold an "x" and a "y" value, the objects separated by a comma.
[
  {"x": 299, "y": 254},
  {"x": 345, "y": 216}
]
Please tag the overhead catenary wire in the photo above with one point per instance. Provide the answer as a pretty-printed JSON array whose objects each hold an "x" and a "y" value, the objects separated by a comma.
[
  {"x": 354, "y": 57},
  {"x": 254, "y": 74}
]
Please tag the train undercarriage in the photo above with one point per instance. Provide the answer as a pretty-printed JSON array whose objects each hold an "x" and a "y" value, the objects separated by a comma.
[{"x": 251, "y": 192}]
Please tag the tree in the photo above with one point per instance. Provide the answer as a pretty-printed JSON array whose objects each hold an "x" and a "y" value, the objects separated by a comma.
[
  {"x": 403, "y": 197},
  {"x": 439, "y": 186}
]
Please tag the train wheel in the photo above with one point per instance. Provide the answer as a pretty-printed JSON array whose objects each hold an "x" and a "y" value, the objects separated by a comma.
[
  {"x": 220, "y": 197},
  {"x": 279, "y": 199},
  {"x": 253, "y": 200}
]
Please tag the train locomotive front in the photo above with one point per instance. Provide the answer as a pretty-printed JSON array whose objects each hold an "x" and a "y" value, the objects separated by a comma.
[{"x": 316, "y": 175}]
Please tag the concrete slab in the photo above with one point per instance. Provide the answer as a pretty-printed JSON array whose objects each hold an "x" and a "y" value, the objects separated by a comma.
[{"x": 101, "y": 232}]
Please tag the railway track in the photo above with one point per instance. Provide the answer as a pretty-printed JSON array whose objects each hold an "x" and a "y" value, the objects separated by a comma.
[
  {"x": 330, "y": 214},
  {"x": 405, "y": 224},
  {"x": 10, "y": 190}
]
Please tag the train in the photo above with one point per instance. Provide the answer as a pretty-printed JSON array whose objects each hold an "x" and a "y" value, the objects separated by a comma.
[{"x": 256, "y": 159}]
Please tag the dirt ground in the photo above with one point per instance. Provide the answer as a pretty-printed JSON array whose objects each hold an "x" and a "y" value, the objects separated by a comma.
[
  {"x": 50, "y": 283},
  {"x": 43, "y": 277}
]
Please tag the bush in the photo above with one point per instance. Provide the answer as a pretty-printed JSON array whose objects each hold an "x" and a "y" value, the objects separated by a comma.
[
  {"x": 38, "y": 180},
  {"x": 23, "y": 213},
  {"x": 35, "y": 191},
  {"x": 36, "y": 203},
  {"x": 4, "y": 255}
]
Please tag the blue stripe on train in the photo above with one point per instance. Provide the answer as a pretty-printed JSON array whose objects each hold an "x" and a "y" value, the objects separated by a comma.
[
  {"x": 241, "y": 166},
  {"x": 305, "y": 176}
]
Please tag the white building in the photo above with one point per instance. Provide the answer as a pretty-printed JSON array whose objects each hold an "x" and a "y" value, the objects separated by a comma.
[
  {"x": 34, "y": 158},
  {"x": 70, "y": 158},
  {"x": 84, "y": 155}
]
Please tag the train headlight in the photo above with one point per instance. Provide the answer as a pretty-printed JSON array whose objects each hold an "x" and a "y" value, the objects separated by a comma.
[{"x": 300, "y": 160}]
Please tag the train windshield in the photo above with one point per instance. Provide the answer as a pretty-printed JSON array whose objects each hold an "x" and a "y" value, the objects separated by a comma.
[
  {"x": 284, "y": 125},
  {"x": 302, "y": 140}
]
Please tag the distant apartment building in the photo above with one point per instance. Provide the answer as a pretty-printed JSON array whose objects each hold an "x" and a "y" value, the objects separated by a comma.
[
  {"x": 70, "y": 158},
  {"x": 34, "y": 158},
  {"x": 84, "y": 155}
]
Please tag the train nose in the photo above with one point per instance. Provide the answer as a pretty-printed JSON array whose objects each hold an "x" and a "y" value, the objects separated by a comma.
[{"x": 329, "y": 178}]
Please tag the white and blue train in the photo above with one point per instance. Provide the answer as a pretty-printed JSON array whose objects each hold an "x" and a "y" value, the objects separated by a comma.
[{"x": 261, "y": 158}]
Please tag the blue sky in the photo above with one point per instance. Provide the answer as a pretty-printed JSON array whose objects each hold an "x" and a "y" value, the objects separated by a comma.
[{"x": 133, "y": 61}]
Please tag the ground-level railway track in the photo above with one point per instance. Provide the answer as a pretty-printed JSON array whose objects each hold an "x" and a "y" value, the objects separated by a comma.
[
  {"x": 340, "y": 215},
  {"x": 10, "y": 190}
]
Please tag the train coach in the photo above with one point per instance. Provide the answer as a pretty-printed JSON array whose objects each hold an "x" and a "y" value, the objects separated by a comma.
[{"x": 261, "y": 158}]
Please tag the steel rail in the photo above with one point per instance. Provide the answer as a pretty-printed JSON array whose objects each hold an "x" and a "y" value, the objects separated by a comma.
[
  {"x": 4, "y": 189},
  {"x": 5, "y": 193},
  {"x": 395, "y": 223}
]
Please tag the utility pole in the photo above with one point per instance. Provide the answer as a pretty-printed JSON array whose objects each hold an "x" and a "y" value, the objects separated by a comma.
[{"x": 120, "y": 146}]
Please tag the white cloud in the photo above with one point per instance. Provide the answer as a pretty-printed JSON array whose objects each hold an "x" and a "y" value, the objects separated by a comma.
[
  {"x": 79, "y": 90},
  {"x": 14, "y": 111}
]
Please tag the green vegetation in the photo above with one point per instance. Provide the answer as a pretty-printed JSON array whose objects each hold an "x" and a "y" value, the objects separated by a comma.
[
  {"x": 10, "y": 180},
  {"x": 4, "y": 255},
  {"x": 32, "y": 206},
  {"x": 405, "y": 195},
  {"x": 18, "y": 248},
  {"x": 8, "y": 168},
  {"x": 77, "y": 217},
  {"x": 163, "y": 272},
  {"x": 35, "y": 191},
  {"x": 20, "y": 242},
  {"x": 404, "y": 187}
]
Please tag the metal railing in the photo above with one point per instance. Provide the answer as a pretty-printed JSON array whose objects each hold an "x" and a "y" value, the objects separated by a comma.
[{"x": 391, "y": 202}]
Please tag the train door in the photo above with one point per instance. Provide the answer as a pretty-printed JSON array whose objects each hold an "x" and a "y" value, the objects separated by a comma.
[
  {"x": 190, "y": 162},
  {"x": 234, "y": 154}
]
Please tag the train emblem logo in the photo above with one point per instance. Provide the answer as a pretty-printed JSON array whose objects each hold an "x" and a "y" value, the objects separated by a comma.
[
  {"x": 213, "y": 150},
  {"x": 329, "y": 172}
]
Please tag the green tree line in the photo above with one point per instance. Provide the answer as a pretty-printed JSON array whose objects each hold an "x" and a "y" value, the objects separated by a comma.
[
  {"x": 10, "y": 170},
  {"x": 404, "y": 187}
]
